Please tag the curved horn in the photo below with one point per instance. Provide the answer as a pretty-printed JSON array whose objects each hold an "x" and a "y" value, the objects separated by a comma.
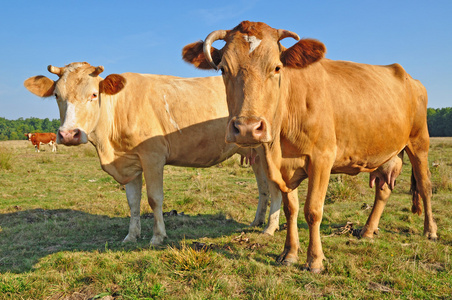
[
  {"x": 55, "y": 70},
  {"x": 212, "y": 37},
  {"x": 286, "y": 33},
  {"x": 98, "y": 70}
]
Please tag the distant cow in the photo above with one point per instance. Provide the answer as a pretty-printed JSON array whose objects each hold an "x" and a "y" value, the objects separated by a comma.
[
  {"x": 139, "y": 123},
  {"x": 314, "y": 117},
  {"x": 39, "y": 138}
]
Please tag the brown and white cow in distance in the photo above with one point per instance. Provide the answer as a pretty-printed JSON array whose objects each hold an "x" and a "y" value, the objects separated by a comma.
[
  {"x": 139, "y": 123},
  {"x": 316, "y": 116},
  {"x": 39, "y": 138}
]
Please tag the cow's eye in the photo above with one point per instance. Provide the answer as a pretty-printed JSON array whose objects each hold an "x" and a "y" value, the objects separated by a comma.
[
  {"x": 56, "y": 95},
  {"x": 277, "y": 69},
  {"x": 93, "y": 96}
]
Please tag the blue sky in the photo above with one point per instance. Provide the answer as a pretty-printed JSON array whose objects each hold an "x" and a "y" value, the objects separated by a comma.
[{"x": 148, "y": 36}]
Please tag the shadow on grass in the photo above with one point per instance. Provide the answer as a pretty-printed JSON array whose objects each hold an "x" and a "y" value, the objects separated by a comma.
[{"x": 27, "y": 236}]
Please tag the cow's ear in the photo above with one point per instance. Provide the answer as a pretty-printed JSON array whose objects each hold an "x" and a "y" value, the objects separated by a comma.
[
  {"x": 40, "y": 86},
  {"x": 112, "y": 84},
  {"x": 194, "y": 54},
  {"x": 303, "y": 53}
]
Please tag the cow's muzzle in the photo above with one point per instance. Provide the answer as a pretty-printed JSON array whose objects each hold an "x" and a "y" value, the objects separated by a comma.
[
  {"x": 69, "y": 137},
  {"x": 248, "y": 131}
]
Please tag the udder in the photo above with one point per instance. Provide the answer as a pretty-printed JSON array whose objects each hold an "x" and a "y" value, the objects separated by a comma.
[{"x": 387, "y": 172}]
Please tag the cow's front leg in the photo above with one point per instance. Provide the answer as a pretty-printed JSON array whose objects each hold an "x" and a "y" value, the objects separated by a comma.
[
  {"x": 292, "y": 244},
  {"x": 313, "y": 211},
  {"x": 154, "y": 187},
  {"x": 133, "y": 193}
]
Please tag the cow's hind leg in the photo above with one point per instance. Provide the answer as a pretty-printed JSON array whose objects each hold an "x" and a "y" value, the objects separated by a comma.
[
  {"x": 381, "y": 197},
  {"x": 133, "y": 193},
  {"x": 264, "y": 195},
  {"x": 153, "y": 175},
  {"x": 417, "y": 151},
  {"x": 384, "y": 179},
  {"x": 275, "y": 207}
]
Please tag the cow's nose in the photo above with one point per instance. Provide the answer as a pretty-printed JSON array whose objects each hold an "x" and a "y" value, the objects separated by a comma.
[
  {"x": 247, "y": 131},
  {"x": 69, "y": 137}
]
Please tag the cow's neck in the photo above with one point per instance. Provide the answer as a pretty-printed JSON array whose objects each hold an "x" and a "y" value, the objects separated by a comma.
[{"x": 101, "y": 135}]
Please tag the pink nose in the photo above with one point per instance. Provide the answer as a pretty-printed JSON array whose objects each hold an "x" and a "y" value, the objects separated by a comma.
[
  {"x": 247, "y": 131},
  {"x": 69, "y": 137}
]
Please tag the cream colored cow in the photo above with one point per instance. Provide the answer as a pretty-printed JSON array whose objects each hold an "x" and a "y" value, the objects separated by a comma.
[{"x": 139, "y": 123}]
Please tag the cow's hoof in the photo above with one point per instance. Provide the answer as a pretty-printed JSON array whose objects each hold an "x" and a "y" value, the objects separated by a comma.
[
  {"x": 269, "y": 231},
  {"x": 286, "y": 259},
  {"x": 157, "y": 240},
  {"x": 431, "y": 236},
  {"x": 130, "y": 239},
  {"x": 306, "y": 267}
]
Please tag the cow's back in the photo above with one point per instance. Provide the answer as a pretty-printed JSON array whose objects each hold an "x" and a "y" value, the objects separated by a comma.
[
  {"x": 185, "y": 116},
  {"x": 366, "y": 111}
]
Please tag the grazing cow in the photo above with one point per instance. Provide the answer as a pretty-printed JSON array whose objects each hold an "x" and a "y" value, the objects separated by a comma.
[
  {"x": 139, "y": 123},
  {"x": 39, "y": 138},
  {"x": 316, "y": 116}
]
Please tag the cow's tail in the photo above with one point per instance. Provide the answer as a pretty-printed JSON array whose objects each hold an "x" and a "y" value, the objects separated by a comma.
[{"x": 417, "y": 206}]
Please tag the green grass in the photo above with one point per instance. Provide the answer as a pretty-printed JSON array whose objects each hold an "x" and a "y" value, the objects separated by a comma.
[{"x": 62, "y": 220}]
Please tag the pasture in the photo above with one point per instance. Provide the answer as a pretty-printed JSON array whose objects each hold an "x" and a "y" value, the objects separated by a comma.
[{"x": 62, "y": 220}]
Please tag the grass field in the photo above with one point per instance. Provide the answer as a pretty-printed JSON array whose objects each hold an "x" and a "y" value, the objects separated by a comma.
[{"x": 62, "y": 220}]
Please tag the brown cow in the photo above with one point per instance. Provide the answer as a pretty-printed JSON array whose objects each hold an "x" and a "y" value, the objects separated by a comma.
[
  {"x": 139, "y": 123},
  {"x": 316, "y": 116},
  {"x": 39, "y": 138}
]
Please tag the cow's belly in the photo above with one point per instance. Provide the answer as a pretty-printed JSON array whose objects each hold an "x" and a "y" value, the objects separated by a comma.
[
  {"x": 202, "y": 157},
  {"x": 124, "y": 168},
  {"x": 355, "y": 164}
]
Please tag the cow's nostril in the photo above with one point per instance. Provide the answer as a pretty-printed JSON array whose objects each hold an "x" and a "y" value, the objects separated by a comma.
[
  {"x": 260, "y": 127},
  {"x": 76, "y": 133},
  {"x": 235, "y": 128}
]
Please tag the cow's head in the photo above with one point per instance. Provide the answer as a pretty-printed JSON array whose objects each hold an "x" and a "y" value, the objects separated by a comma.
[
  {"x": 78, "y": 92},
  {"x": 253, "y": 64}
]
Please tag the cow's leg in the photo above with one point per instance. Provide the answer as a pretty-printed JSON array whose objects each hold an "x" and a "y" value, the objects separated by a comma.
[
  {"x": 384, "y": 177},
  {"x": 319, "y": 175},
  {"x": 417, "y": 151},
  {"x": 292, "y": 244},
  {"x": 133, "y": 193},
  {"x": 154, "y": 186},
  {"x": 381, "y": 198},
  {"x": 275, "y": 207},
  {"x": 264, "y": 195}
]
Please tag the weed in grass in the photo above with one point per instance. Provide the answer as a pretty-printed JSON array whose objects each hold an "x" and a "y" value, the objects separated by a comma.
[
  {"x": 441, "y": 177},
  {"x": 185, "y": 259},
  {"x": 5, "y": 159}
]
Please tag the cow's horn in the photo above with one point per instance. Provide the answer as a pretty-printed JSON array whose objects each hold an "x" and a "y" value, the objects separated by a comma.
[
  {"x": 55, "y": 70},
  {"x": 212, "y": 37},
  {"x": 286, "y": 33},
  {"x": 98, "y": 70}
]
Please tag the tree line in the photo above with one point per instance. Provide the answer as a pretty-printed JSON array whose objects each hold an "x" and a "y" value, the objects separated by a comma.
[
  {"x": 439, "y": 122},
  {"x": 16, "y": 129}
]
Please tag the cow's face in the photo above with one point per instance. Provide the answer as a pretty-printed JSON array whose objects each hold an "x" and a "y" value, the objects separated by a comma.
[
  {"x": 78, "y": 93},
  {"x": 253, "y": 63}
]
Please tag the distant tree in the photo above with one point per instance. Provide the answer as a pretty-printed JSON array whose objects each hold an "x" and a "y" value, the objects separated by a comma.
[
  {"x": 46, "y": 125},
  {"x": 439, "y": 121}
]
